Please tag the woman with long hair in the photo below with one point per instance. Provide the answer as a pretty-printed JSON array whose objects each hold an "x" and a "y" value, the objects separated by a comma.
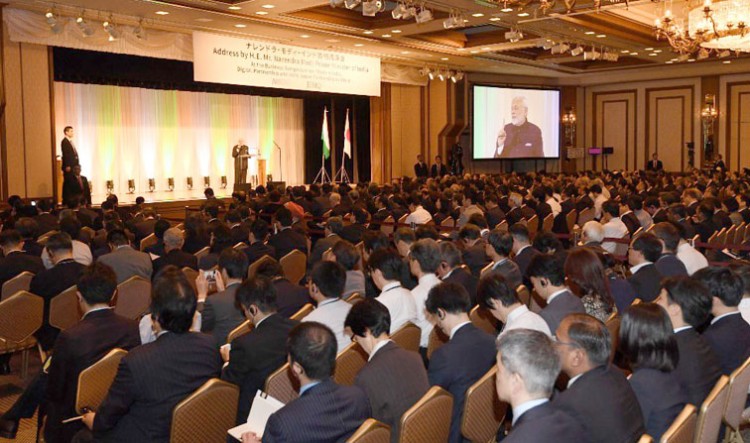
[{"x": 586, "y": 278}]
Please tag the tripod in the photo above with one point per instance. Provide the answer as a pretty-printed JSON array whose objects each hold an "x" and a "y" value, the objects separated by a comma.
[{"x": 322, "y": 177}]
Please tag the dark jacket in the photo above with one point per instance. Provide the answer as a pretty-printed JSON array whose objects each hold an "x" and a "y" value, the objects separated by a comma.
[
  {"x": 18, "y": 262},
  {"x": 563, "y": 304},
  {"x": 464, "y": 278},
  {"x": 286, "y": 241},
  {"x": 669, "y": 265},
  {"x": 290, "y": 297},
  {"x": 729, "y": 338},
  {"x": 523, "y": 259},
  {"x": 546, "y": 423},
  {"x": 220, "y": 314},
  {"x": 661, "y": 398},
  {"x": 646, "y": 282},
  {"x": 698, "y": 368},
  {"x": 258, "y": 250},
  {"x": 176, "y": 257}
]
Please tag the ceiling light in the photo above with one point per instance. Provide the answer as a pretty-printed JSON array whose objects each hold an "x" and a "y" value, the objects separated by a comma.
[
  {"x": 578, "y": 50},
  {"x": 593, "y": 54},
  {"x": 441, "y": 75},
  {"x": 304, "y": 36},
  {"x": 240, "y": 25},
  {"x": 445, "y": 59},
  {"x": 474, "y": 52},
  {"x": 547, "y": 45},
  {"x": 405, "y": 52},
  {"x": 633, "y": 54},
  {"x": 624, "y": 51},
  {"x": 110, "y": 29},
  {"x": 506, "y": 10},
  {"x": 561, "y": 48},
  {"x": 691, "y": 60},
  {"x": 431, "y": 74},
  {"x": 262, "y": 13},
  {"x": 139, "y": 31},
  {"x": 359, "y": 45},
  {"x": 387, "y": 36},
  {"x": 424, "y": 71},
  {"x": 52, "y": 22},
  {"x": 648, "y": 49},
  {"x": 658, "y": 51},
  {"x": 84, "y": 27},
  {"x": 683, "y": 57},
  {"x": 351, "y": 4},
  {"x": 513, "y": 36},
  {"x": 235, "y": 8},
  {"x": 332, "y": 40},
  {"x": 589, "y": 32},
  {"x": 204, "y": 19},
  {"x": 424, "y": 16},
  {"x": 458, "y": 76},
  {"x": 372, "y": 7},
  {"x": 477, "y": 14},
  {"x": 495, "y": 19},
  {"x": 368, "y": 32},
  {"x": 601, "y": 36},
  {"x": 161, "y": 13},
  {"x": 396, "y": 31},
  {"x": 268, "y": 6},
  {"x": 455, "y": 20},
  {"x": 726, "y": 62},
  {"x": 653, "y": 54},
  {"x": 523, "y": 14},
  {"x": 669, "y": 62}
]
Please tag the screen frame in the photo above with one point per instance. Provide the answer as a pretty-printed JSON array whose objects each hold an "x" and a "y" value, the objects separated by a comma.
[{"x": 472, "y": 85}]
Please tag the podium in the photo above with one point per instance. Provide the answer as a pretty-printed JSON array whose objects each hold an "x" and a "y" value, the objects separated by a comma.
[{"x": 253, "y": 180}]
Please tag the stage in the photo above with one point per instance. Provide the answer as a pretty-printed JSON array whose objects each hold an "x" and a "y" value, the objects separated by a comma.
[{"x": 170, "y": 205}]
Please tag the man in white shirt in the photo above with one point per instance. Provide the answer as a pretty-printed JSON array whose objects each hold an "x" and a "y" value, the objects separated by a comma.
[
  {"x": 552, "y": 201},
  {"x": 81, "y": 251},
  {"x": 418, "y": 215},
  {"x": 385, "y": 269},
  {"x": 503, "y": 304},
  {"x": 690, "y": 257},
  {"x": 326, "y": 286},
  {"x": 424, "y": 260},
  {"x": 595, "y": 192},
  {"x": 613, "y": 226}
]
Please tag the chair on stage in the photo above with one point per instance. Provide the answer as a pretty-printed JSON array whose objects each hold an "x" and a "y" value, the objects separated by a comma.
[
  {"x": 21, "y": 315},
  {"x": 739, "y": 382},
  {"x": 436, "y": 340},
  {"x": 682, "y": 429},
  {"x": 133, "y": 297},
  {"x": 191, "y": 275},
  {"x": 483, "y": 411},
  {"x": 281, "y": 385},
  {"x": 708, "y": 424},
  {"x": 429, "y": 420},
  {"x": 484, "y": 320},
  {"x": 148, "y": 241},
  {"x": 64, "y": 310},
  {"x": 244, "y": 328},
  {"x": 20, "y": 282},
  {"x": 371, "y": 431},
  {"x": 408, "y": 337},
  {"x": 94, "y": 382},
  {"x": 348, "y": 364},
  {"x": 294, "y": 266},
  {"x": 253, "y": 268},
  {"x": 207, "y": 414},
  {"x": 303, "y": 312}
]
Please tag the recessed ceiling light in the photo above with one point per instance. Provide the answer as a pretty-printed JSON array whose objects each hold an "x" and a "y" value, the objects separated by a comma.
[
  {"x": 262, "y": 12},
  {"x": 268, "y": 6},
  {"x": 359, "y": 45},
  {"x": 727, "y": 62},
  {"x": 653, "y": 54},
  {"x": 368, "y": 32},
  {"x": 648, "y": 49},
  {"x": 332, "y": 40},
  {"x": 486, "y": 48},
  {"x": 633, "y": 54},
  {"x": 387, "y": 36},
  {"x": 589, "y": 32},
  {"x": 624, "y": 51},
  {"x": 405, "y": 52},
  {"x": 161, "y": 13},
  {"x": 466, "y": 21},
  {"x": 204, "y": 20},
  {"x": 601, "y": 36},
  {"x": 523, "y": 14},
  {"x": 445, "y": 59},
  {"x": 304, "y": 36},
  {"x": 506, "y": 10},
  {"x": 240, "y": 25},
  {"x": 658, "y": 51},
  {"x": 669, "y": 62},
  {"x": 495, "y": 19},
  {"x": 691, "y": 60},
  {"x": 475, "y": 52},
  {"x": 396, "y": 31},
  {"x": 235, "y": 8},
  {"x": 478, "y": 14}
]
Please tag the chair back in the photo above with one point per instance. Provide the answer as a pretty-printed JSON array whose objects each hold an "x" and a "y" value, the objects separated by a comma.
[
  {"x": 191, "y": 275},
  {"x": 483, "y": 319},
  {"x": 387, "y": 227},
  {"x": 570, "y": 219},
  {"x": 20, "y": 282},
  {"x": 429, "y": 420},
  {"x": 709, "y": 417},
  {"x": 348, "y": 364},
  {"x": 133, "y": 297},
  {"x": 502, "y": 226},
  {"x": 64, "y": 310},
  {"x": 448, "y": 222},
  {"x": 240, "y": 246},
  {"x": 645, "y": 438},
  {"x": 21, "y": 315},
  {"x": 202, "y": 253},
  {"x": 244, "y": 328},
  {"x": 731, "y": 232},
  {"x": 739, "y": 382},
  {"x": 148, "y": 241},
  {"x": 402, "y": 219},
  {"x": 408, "y": 337},
  {"x": 207, "y": 414},
  {"x": 636, "y": 301},
  {"x": 355, "y": 297},
  {"x": 682, "y": 429},
  {"x": 253, "y": 268},
  {"x": 371, "y": 431},
  {"x": 281, "y": 385},
  {"x": 436, "y": 340},
  {"x": 486, "y": 270},
  {"x": 483, "y": 411},
  {"x": 89, "y": 232},
  {"x": 621, "y": 249},
  {"x": 94, "y": 382},
  {"x": 303, "y": 312},
  {"x": 613, "y": 325},
  {"x": 585, "y": 216},
  {"x": 523, "y": 294},
  {"x": 294, "y": 265},
  {"x": 533, "y": 225},
  {"x": 547, "y": 223},
  {"x": 42, "y": 240}
]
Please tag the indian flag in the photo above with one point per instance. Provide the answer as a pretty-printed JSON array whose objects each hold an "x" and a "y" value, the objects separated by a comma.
[
  {"x": 347, "y": 137},
  {"x": 324, "y": 135}
]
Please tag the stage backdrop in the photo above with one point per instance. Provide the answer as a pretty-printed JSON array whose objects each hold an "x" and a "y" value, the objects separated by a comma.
[{"x": 126, "y": 133}]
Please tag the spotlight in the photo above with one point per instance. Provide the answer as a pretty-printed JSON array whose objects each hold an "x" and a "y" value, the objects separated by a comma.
[
  {"x": 424, "y": 71},
  {"x": 131, "y": 186},
  {"x": 351, "y": 4},
  {"x": 139, "y": 31},
  {"x": 431, "y": 74},
  {"x": 54, "y": 25},
  {"x": 725, "y": 53},
  {"x": 547, "y": 45},
  {"x": 170, "y": 183},
  {"x": 372, "y": 7},
  {"x": 683, "y": 57},
  {"x": 110, "y": 187},
  {"x": 206, "y": 182},
  {"x": 424, "y": 16},
  {"x": 455, "y": 20},
  {"x": 84, "y": 27},
  {"x": 190, "y": 183},
  {"x": 441, "y": 75},
  {"x": 151, "y": 185},
  {"x": 591, "y": 55},
  {"x": 578, "y": 50},
  {"x": 399, "y": 11},
  {"x": 457, "y": 76},
  {"x": 560, "y": 48},
  {"x": 223, "y": 182},
  {"x": 109, "y": 27},
  {"x": 514, "y": 36},
  {"x": 336, "y": 3},
  {"x": 410, "y": 12}
]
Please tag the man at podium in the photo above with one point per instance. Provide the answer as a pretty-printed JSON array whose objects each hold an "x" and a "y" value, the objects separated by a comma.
[{"x": 240, "y": 152}]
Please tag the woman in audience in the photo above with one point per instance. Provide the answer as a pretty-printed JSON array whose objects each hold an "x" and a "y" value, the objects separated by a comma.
[
  {"x": 621, "y": 290},
  {"x": 221, "y": 238},
  {"x": 196, "y": 234},
  {"x": 548, "y": 243},
  {"x": 585, "y": 277},
  {"x": 648, "y": 344}
]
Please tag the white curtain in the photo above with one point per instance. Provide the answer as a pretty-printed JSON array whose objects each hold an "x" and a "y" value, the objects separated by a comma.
[{"x": 133, "y": 133}]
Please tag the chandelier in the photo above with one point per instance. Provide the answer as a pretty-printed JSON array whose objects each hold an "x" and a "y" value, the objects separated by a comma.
[{"x": 718, "y": 27}]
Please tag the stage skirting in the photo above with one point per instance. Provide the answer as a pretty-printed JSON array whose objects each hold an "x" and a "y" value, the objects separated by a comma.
[{"x": 124, "y": 133}]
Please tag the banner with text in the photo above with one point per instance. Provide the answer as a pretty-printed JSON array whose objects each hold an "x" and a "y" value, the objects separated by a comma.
[{"x": 238, "y": 61}]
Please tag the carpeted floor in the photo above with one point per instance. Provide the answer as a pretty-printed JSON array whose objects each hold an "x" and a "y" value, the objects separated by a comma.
[{"x": 11, "y": 387}]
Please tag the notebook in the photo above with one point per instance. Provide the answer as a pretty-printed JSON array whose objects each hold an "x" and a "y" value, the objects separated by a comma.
[{"x": 263, "y": 406}]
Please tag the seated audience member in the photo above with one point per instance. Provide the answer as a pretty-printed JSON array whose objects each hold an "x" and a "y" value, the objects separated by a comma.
[
  {"x": 347, "y": 255},
  {"x": 523, "y": 251},
  {"x": 494, "y": 213},
  {"x": 331, "y": 230},
  {"x": 668, "y": 264},
  {"x": 81, "y": 251},
  {"x": 417, "y": 214},
  {"x": 221, "y": 239},
  {"x": 14, "y": 260},
  {"x": 144, "y": 226},
  {"x": 688, "y": 304},
  {"x": 238, "y": 230},
  {"x": 326, "y": 285},
  {"x": 196, "y": 234},
  {"x": 497, "y": 297},
  {"x": 646, "y": 340},
  {"x": 393, "y": 378},
  {"x": 499, "y": 246},
  {"x": 157, "y": 248},
  {"x": 645, "y": 278},
  {"x": 45, "y": 220},
  {"x": 77, "y": 348},
  {"x": 548, "y": 280},
  {"x": 742, "y": 268},
  {"x": 154, "y": 377},
  {"x": 29, "y": 230},
  {"x": 403, "y": 238},
  {"x": 452, "y": 270},
  {"x": 704, "y": 215},
  {"x": 728, "y": 334},
  {"x": 548, "y": 243},
  {"x": 354, "y": 231},
  {"x": 254, "y": 356},
  {"x": 586, "y": 279},
  {"x": 527, "y": 367},
  {"x": 258, "y": 246},
  {"x": 468, "y": 355},
  {"x": 622, "y": 291},
  {"x": 126, "y": 261},
  {"x": 174, "y": 255},
  {"x": 324, "y": 411},
  {"x": 424, "y": 259},
  {"x": 592, "y": 235},
  {"x": 613, "y": 226},
  {"x": 290, "y": 297},
  {"x": 220, "y": 314},
  {"x": 473, "y": 248},
  {"x": 688, "y": 255},
  {"x": 64, "y": 273},
  {"x": 385, "y": 268},
  {"x": 598, "y": 394},
  {"x": 287, "y": 239}
]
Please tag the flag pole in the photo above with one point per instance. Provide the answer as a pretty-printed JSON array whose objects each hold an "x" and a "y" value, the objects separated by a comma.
[
  {"x": 322, "y": 175},
  {"x": 342, "y": 175}
]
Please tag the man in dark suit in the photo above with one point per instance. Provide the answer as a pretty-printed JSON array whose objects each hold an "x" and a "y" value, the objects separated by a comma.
[
  {"x": 64, "y": 273},
  {"x": 468, "y": 355},
  {"x": 494, "y": 214},
  {"x": 598, "y": 394},
  {"x": 353, "y": 232},
  {"x": 523, "y": 252},
  {"x": 678, "y": 214},
  {"x": 688, "y": 304},
  {"x": 668, "y": 264},
  {"x": 643, "y": 252},
  {"x": 145, "y": 226},
  {"x": 287, "y": 239},
  {"x": 254, "y": 356},
  {"x": 174, "y": 255},
  {"x": 290, "y": 297},
  {"x": 331, "y": 230},
  {"x": 126, "y": 261},
  {"x": 654, "y": 164},
  {"x": 438, "y": 170},
  {"x": 99, "y": 331},
  {"x": 519, "y": 138},
  {"x": 45, "y": 220},
  {"x": 420, "y": 167},
  {"x": 451, "y": 270},
  {"x": 474, "y": 252},
  {"x": 394, "y": 378},
  {"x": 153, "y": 378},
  {"x": 324, "y": 411},
  {"x": 69, "y": 155},
  {"x": 76, "y": 186},
  {"x": 706, "y": 225},
  {"x": 547, "y": 277},
  {"x": 499, "y": 245},
  {"x": 728, "y": 334},
  {"x": 157, "y": 248},
  {"x": 15, "y": 260},
  {"x": 220, "y": 314},
  {"x": 527, "y": 367},
  {"x": 258, "y": 246},
  {"x": 237, "y": 229}
]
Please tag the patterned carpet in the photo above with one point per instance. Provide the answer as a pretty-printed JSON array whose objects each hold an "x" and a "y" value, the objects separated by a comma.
[{"x": 11, "y": 387}]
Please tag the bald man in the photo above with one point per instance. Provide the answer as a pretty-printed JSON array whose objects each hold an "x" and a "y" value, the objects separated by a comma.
[{"x": 519, "y": 137}]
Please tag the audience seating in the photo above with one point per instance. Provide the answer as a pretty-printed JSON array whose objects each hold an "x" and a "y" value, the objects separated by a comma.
[
  {"x": 710, "y": 415},
  {"x": 240, "y": 246},
  {"x": 448, "y": 222},
  {"x": 402, "y": 219},
  {"x": 42, "y": 240},
  {"x": 502, "y": 226},
  {"x": 303, "y": 312},
  {"x": 485, "y": 270},
  {"x": 20, "y": 282},
  {"x": 133, "y": 297},
  {"x": 408, "y": 337},
  {"x": 148, "y": 241},
  {"x": 483, "y": 319},
  {"x": 437, "y": 339},
  {"x": 191, "y": 275},
  {"x": 533, "y": 225},
  {"x": 282, "y": 385},
  {"x": 371, "y": 431},
  {"x": 202, "y": 253},
  {"x": 206, "y": 415},
  {"x": 570, "y": 219},
  {"x": 429, "y": 420},
  {"x": 636, "y": 301},
  {"x": 294, "y": 265},
  {"x": 355, "y": 298},
  {"x": 547, "y": 223},
  {"x": 88, "y": 232},
  {"x": 94, "y": 382},
  {"x": 387, "y": 227},
  {"x": 682, "y": 429},
  {"x": 613, "y": 325},
  {"x": 253, "y": 268},
  {"x": 585, "y": 216},
  {"x": 524, "y": 295},
  {"x": 348, "y": 364},
  {"x": 621, "y": 249},
  {"x": 244, "y": 328},
  {"x": 483, "y": 411},
  {"x": 64, "y": 311},
  {"x": 645, "y": 438},
  {"x": 21, "y": 315},
  {"x": 739, "y": 382}
]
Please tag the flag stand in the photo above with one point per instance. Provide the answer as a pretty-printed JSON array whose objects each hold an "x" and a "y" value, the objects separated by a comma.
[
  {"x": 341, "y": 176},
  {"x": 322, "y": 176}
]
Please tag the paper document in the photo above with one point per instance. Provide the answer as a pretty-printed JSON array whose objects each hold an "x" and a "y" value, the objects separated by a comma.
[{"x": 263, "y": 406}]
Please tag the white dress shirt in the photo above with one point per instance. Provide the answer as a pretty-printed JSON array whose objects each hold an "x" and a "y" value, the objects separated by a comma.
[
  {"x": 615, "y": 228},
  {"x": 519, "y": 410},
  {"x": 745, "y": 309},
  {"x": 377, "y": 347},
  {"x": 522, "y": 318},
  {"x": 598, "y": 202},
  {"x": 556, "y": 208},
  {"x": 426, "y": 282},
  {"x": 332, "y": 313},
  {"x": 637, "y": 267},
  {"x": 81, "y": 254},
  {"x": 691, "y": 258},
  {"x": 420, "y": 216},
  {"x": 400, "y": 304}
]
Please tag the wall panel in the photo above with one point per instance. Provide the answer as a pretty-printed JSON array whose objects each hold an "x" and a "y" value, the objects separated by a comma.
[
  {"x": 669, "y": 125},
  {"x": 614, "y": 118},
  {"x": 406, "y": 121},
  {"x": 738, "y": 126}
]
